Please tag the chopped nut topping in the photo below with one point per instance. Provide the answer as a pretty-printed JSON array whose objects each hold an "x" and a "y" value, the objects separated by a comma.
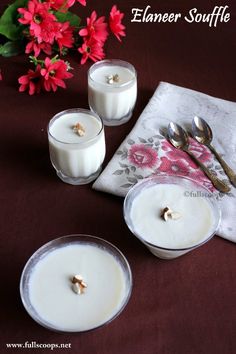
[
  {"x": 116, "y": 78},
  {"x": 78, "y": 284},
  {"x": 175, "y": 215},
  {"x": 79, "y": 129},
  {"x": 112, "y": 78},
  {"x": 109, "y": 79},
  {"x": 77, "y": 288},
  {"x": 167, "y": 213}
]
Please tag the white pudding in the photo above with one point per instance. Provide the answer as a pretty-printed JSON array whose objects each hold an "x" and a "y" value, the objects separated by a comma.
[
  {"x": 76, "y": 157},
  {"x": 192, "y": 220},
  {"x": 51, "y": 294},
  {"x": 112, "y": 90},
  {"x": 193, "y": 226}
]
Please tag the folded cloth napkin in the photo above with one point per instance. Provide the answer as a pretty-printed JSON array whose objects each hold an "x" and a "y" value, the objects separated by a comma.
[{"x": 145, "y": 151}]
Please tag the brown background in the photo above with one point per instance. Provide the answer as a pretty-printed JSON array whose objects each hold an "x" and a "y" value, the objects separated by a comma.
[{"x": 184, "y": 306}]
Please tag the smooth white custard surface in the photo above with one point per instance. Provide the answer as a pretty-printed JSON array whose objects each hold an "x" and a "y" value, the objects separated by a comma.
[
  {"x": 100, "y": 75},
  {"x": 62, "y": 128},
  {"x": 195, "y": 224},
  {"x": 51, "y": 294}
]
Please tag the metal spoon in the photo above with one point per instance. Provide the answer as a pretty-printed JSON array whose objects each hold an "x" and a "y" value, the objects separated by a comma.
[
  {"x": 179, "y": 139},
  {"x": 203, "y": 134}
]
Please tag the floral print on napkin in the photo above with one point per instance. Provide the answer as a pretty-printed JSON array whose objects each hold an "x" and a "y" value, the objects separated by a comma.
[{"x": 155, "y": 155}]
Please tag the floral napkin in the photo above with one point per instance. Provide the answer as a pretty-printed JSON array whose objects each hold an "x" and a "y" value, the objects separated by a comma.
[{"x": 146, "y": 152}]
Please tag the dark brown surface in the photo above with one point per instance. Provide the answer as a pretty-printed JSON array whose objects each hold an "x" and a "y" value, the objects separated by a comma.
[{"x": 184, "y": 306}]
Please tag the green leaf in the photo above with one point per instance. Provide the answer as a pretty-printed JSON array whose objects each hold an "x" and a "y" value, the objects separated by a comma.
[
  {"x": 130, "y": 141},
  {"x": 9, "y": 49},
  {"x": 119, "y": 152},
  {"x": 142, "y": 140},
  {"x": 68, "y": 16},
  {"x": 123, "y": 165},
  {"x": 9, "y": 26},
  {"x": 132, "y": 180},
  {"x": 158, "y": 136},
  {"x": 118, "y": 172},
  {"x": 138, "y": 176},
  {"x": 127, "y": 185}
]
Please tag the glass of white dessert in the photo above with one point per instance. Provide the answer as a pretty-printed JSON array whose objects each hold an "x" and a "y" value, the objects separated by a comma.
[
  {"x": 76, "y": 283},
  {"x": 76, "y": 145},
  {"x": 171, "y": 215},
  {"x": 112, "y": 90}
]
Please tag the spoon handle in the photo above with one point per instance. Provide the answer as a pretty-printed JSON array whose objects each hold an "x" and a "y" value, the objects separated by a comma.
[
  {"x": 218, "y": 184},
  {"x": 228, "y": 170}
]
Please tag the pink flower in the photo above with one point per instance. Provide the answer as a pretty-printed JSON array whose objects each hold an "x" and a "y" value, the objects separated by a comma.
[
  {"x": 31, "y": 81},
  {"x": 0, "y": 75},
  {"x": 59, "y": 5},
  {"x": 178, "y": 162},
  {"x": 96, "y": 28},
  {"x": 175, "y": 154},
  {"x": 64, "y": 5},
  {"x": 200, "y": 151},
  {"x": 64, "y": 35},
  {"x": 48, "y": 32},
  {"x": 142, "y": 156},
  {"x": 35, "y": 12},
  {"x": 91, "y": 49},
  {"x": 54, "y": 73},
  {"x": 40, "y": 20},
  {"x": 48, "y": 75},
  {"x": 177, "y": 167},
  {"x": 201, "y": 178},
  {"x": 71, "y": 2},
  {"x": 116, "y": 26},
  {"x": 166, "y": 145},
  {"x": 82, "y": 2},
  {"x": 34, "y": 46}
]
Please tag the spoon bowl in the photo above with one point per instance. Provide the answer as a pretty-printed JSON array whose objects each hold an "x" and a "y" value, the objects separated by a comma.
[
  {"x": 177, "y": 136},
  {"x": 203, "y": 134},
  {"x": 201, "y": 131}
]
